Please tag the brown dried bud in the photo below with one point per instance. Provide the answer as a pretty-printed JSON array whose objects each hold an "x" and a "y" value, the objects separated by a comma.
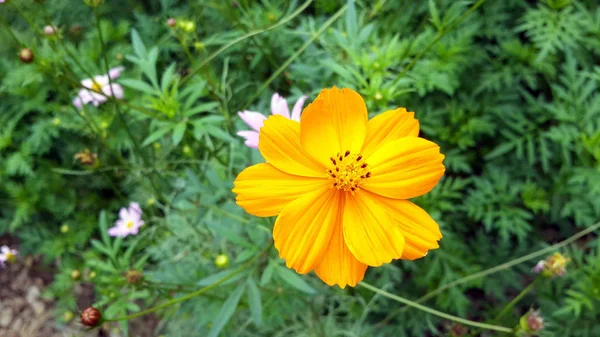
[
  {"x": 134, "y": 276},
  {"x": 26, "y": 55},
  {"x": 171, "y": 22},
  {"x": 75, "y": 30},
  {"x": 86, "y": 157},
  {"x": 90, "y": 316}
]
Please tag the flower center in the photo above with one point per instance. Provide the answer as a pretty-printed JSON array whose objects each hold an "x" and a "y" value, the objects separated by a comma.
[
  {"x": 10, "y": 257},
  {"x": 96, "y": 87},
  {"x": 129, "y": 224},
  {"x": 348, "y": 172}
]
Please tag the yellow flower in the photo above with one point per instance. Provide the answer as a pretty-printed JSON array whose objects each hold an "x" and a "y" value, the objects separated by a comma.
[{"x": 338, "y": 184}]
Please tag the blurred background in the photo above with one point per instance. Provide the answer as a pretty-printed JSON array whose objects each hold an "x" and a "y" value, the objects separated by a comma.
[{"x": 508, "y": 89}]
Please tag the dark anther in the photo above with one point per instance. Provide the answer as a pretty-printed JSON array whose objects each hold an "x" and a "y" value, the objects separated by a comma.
[
  {"x": 332, "y": 160},
  {"x": 352, "y": 188},
  {"x": 337, "y": 169},
  {"x": 341, "y": 158},
  {"x": 334, "y": 184},
  {"x": 358, "y": 158},
  {"x": 368, "y": 174},
  {"x": 347, "y": 153},
  {"x": 333, "y": 175},
  {"x": 364, "y": 165}
]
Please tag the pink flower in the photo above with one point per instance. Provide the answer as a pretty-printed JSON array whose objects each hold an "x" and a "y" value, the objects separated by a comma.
[
  {"x": 50, "y": 30},
  {"x": 129, "y": 223},
  {"x": 539, "y": 267},
  {"x": 7, "y": 254},
  {"x": 99, "y": 87},
  {"x": 255, "y": 120}
]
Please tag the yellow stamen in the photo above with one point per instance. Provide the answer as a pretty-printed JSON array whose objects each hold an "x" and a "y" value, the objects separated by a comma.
[
  {"x": 96, "y": 87},
  {"x": 348, "y": 172},
  {"x": 129, "y": 224}
]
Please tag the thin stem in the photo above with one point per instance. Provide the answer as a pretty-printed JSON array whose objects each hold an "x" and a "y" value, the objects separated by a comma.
[
  {"x": 243, "y": 37},
  {"x": 516, "y": 300},
  {"x": 295, "y": 55},
  {"x": 496, "y": 269},
  {"x": 435, "y": 312},
  {"x": 120, "y": 115},
  {"x": 437, "y": 38},
  {"x": 199, "y": 292}
]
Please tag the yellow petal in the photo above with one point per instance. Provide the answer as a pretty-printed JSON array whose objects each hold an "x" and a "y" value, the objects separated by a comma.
[
  {"x": 335, "y": 122},
  {"x": 279, "y": 143},
  {"x": 263, "y": 190},
  {"x": 387, "y": 127},
  {"x": 338, "y": 265},
  {"x": 404, "y": 168},
  {"x": 421, "y": 232},
  {"x": 303, "y": 230},
  {"x": 370, "y": 233}
]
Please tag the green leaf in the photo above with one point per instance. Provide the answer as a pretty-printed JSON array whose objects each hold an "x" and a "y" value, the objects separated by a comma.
[
  {"x": 267, "y": 275},
  {"x": 104, "y": 228},
  {"x": 167, "y": 77},
  {"x": 202, "y": 108},
  {"x": 294, "y": 280},
  {"x": 227, "y": 310},
  {"x": 157, "y": 134},
  {"x": 178, "y": 133},
  {"x": 351, "y": 21},
  {"x": 139, "y": 85},
  {"x": 254, "y": 302},
  {"x": 138, "y": 44},
  {"x": 500, "y": 150},
  {"x": 435, "y": 15}
]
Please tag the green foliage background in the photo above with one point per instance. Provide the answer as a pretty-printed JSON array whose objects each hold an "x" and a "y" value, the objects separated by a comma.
[{"x": 509, "y": 89}]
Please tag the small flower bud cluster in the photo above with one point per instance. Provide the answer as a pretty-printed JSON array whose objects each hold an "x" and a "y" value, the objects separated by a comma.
[
  {"x": 553, "y": 266},
  {"x": 530, "y": 324},
  {"x": 86, "y": 157}
]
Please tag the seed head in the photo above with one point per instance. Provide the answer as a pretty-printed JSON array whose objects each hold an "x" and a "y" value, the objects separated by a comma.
[
  {"x": 26, "y": 55},
  {"x": 90, "y": 317}
]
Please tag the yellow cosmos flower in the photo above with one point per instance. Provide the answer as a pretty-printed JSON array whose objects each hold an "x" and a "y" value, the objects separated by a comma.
[{"x": 338, "y": 183}]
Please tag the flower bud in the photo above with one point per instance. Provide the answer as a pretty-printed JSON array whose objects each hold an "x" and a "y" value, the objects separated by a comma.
[
  {"x": 50, "y": 30},
  {"x": 186, "y": 149},
  {"x": 56, "y": 121},
  {"x": 198, "y": 45},
  {"x": 90, "y": 316},
  {"x": 134, "y": 276},
  {"x": 64, "y": 228},
  {"x": 378, "y": 96},
  {"x": 68, "y": 316},
  {"x": 171, "y": 22},
  {"x": 554, "y": 265},
  {"x": 530, "y": 324},
  {"x": 26, "y": 55},
  {"x": 151, "y": 201},
  {"x": 92, "y": 275},
  {"x": 75, "y": 30},
  {"x": 222, "y": 261},
  {"x": 75, "y": 274},
  {"x": 86, "y": 157}
]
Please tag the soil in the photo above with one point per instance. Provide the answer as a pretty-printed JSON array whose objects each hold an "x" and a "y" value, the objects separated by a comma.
[{"x": 24, "y": 313}]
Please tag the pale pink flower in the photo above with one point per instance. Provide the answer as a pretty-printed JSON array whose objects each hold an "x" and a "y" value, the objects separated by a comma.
[
  {"x": 255, "y": 120},
  {"x": 129, "y": 223},
  {"x": 539, "y": 267},
  {"x": 7, "y": 254},
  {"x": 97, "y": 85}
]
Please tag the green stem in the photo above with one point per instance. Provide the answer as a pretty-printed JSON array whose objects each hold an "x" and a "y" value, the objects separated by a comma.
[
  {"x": 435, "y": 312},
  {"x": 199, "y": 292},
  {"x": 120, "y": 114},
  {"x": 496, "y": 269},
  {"x": 295, "y": 55},
  {"x": 516, "y": 300},
  {"x": 437, "y": 38},
  {"x": 243, "y": 37}
]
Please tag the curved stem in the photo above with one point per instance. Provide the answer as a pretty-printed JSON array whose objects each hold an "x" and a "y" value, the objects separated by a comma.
[
  {"x": 191, "y": 295},
  {"x": 243, "y": 37},
  {"x": 437, "y": 38},
  {"x": 295, "y": 55},
  {"x": 435, "y": 312},
  {"x": 496, "y": 269}
]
